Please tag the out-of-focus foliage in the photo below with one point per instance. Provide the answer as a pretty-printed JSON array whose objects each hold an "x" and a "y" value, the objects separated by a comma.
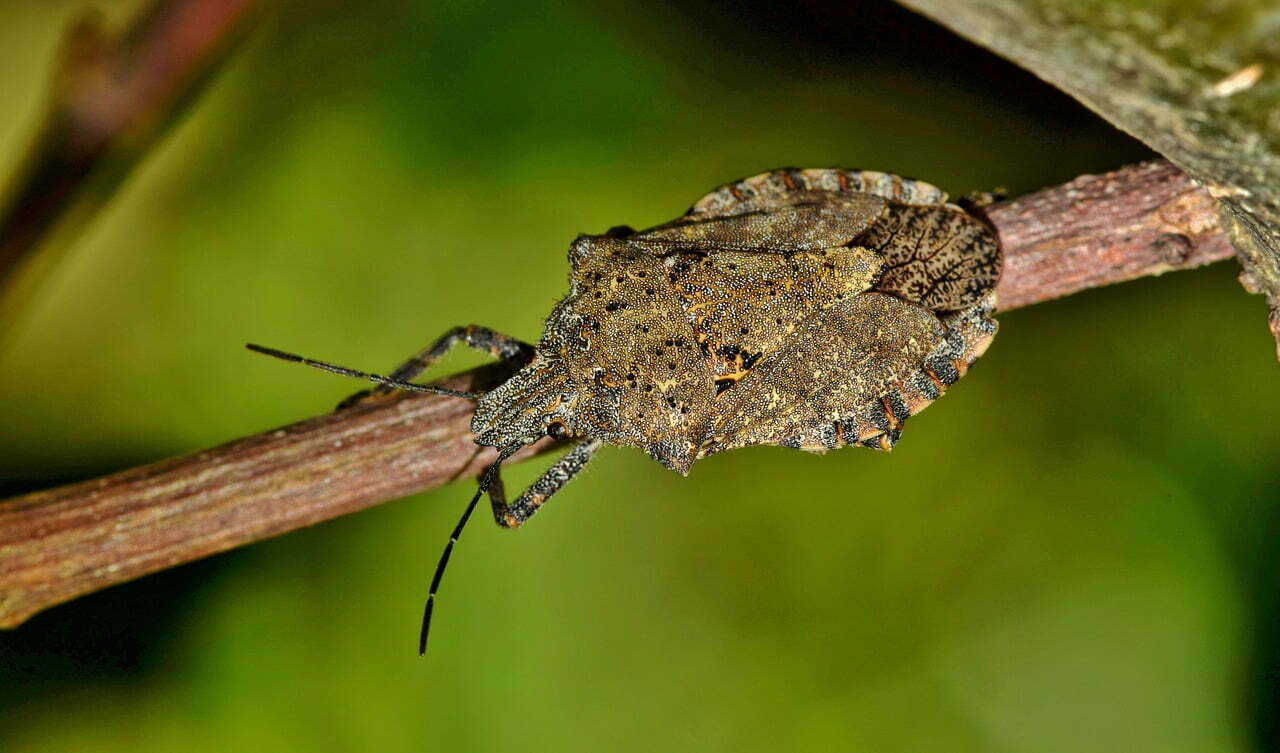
[
  {"x": 1197, "y": 81},
  {"x": 1072, "y": 551},
  {"x": 110, "y": 95}
]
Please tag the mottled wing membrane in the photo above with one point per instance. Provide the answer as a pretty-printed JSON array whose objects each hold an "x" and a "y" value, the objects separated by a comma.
[
  {"x": 936, "y": 255},
  {"x": 942, "y": 259}
]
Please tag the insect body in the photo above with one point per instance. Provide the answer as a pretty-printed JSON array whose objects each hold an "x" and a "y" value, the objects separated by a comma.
[{"x": 805, "y": 308}]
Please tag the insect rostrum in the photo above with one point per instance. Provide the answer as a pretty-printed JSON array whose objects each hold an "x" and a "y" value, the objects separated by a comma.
[{"x": 805, "y": 308}]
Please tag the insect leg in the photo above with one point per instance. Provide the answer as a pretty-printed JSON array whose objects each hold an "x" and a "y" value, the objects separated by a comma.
[
  {"x": 514, "y": 514},
  {"x": 496, "y": 344}
]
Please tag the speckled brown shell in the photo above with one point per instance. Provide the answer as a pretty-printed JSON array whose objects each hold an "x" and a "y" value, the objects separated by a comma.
[{"x": 805, "y": 308}]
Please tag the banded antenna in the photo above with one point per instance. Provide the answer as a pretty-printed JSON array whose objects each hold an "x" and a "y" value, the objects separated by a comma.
[
  {"x": 485, "y": 481},
  {"x": 333, "y": 368}
]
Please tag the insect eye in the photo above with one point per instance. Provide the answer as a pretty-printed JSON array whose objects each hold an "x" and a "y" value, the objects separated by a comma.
[{"x": 557, "y": 430}]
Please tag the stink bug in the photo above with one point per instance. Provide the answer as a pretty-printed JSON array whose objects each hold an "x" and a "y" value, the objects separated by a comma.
[{"x": 805, "y": 308}]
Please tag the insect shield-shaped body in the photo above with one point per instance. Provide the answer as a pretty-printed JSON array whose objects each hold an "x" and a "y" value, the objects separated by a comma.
[{"x": 805, "y": 308}]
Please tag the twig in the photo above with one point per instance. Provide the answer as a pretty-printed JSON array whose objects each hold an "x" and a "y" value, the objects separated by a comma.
[
  {"x": 1102, "y": 229},
  {"x": 112, "y": 99},
  {"x": 61, "y": 543}
]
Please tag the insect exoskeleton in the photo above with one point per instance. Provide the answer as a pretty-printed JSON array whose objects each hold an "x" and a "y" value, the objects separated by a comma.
[{"x": 810, "y": 309}]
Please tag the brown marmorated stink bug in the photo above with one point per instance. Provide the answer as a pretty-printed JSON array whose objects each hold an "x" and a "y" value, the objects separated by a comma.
[{"x": 805, "y": 308}]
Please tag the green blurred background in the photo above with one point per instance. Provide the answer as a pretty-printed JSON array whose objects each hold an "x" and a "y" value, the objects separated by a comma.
[{"x": 1076, "y": 550}]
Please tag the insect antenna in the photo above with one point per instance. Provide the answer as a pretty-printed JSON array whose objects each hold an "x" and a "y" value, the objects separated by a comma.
[
  {"x": 375, "y": 378},
  {"x": 489, "y": 475}
]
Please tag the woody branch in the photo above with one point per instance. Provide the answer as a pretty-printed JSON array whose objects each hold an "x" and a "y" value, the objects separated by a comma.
[{"x": 64, "y": 542}]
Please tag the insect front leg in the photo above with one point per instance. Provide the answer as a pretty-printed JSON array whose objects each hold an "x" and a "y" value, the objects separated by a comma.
[
  {"x": 514, "y": 514},
  {"x": 500, "y": 346}
]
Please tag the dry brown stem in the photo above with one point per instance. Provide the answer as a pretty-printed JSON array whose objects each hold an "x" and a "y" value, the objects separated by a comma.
[
  {"x": 1102, "y": 229},
  {"x": 61, "y": 543}
]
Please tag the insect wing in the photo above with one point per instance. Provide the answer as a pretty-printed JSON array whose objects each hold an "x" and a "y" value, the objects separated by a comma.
[
  {"x": 813, "y": 223},
  {"x": 935, "y": 256}
]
